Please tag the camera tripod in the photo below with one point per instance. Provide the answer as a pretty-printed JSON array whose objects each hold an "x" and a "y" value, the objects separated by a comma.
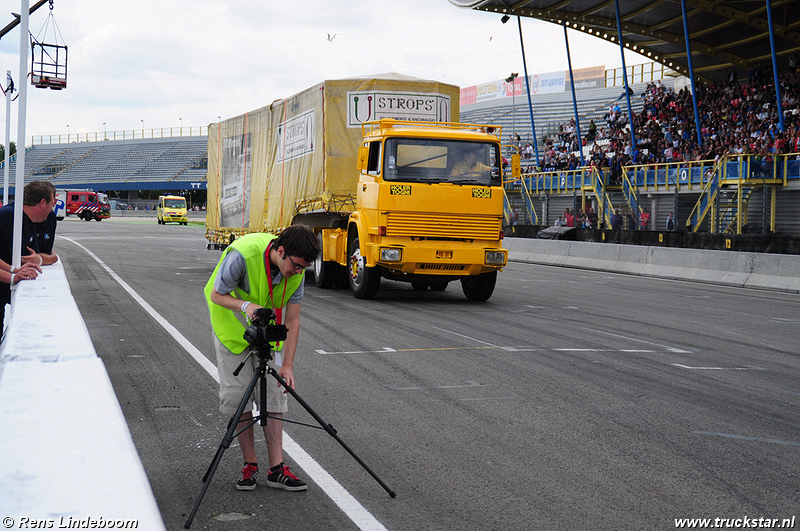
[{"x": 259, "y": 377}]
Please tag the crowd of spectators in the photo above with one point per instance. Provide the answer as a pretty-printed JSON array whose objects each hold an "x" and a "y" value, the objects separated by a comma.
[{"x": 735, "y": 119}]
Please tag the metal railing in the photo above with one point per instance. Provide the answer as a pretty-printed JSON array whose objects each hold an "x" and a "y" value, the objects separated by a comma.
[
  {"x": 125, "y": 134},
  {"x": 643, "y": 73}
]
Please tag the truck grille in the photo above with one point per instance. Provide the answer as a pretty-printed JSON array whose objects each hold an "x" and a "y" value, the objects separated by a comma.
[
  {"x": 442, "y": 267},
  {"x": 442, "y": 226}
]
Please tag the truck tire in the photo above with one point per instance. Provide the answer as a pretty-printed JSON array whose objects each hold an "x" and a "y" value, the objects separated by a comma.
[
  {"x": 364, "y": 281},
  {"x": 324, "y": 272},
  {"x": 479, "y": 288}
]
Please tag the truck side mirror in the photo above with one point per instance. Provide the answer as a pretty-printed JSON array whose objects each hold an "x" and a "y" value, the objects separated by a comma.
[
  {"x": 363, "y": 157},
  {"x": 516, "y": 169}
]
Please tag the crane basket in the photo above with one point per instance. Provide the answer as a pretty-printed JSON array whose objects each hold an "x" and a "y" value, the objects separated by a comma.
[{"x": 48, "y": 61}]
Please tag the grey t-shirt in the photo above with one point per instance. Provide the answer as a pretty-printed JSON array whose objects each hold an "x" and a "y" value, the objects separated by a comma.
[{"x": 232, "y": 274}]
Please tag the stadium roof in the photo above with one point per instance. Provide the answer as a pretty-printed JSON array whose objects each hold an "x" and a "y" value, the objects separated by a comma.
[{"x": 724, "y": 33}]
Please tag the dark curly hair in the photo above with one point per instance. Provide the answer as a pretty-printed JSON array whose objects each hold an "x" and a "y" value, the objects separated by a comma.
[{"x": 300, "y": 241}]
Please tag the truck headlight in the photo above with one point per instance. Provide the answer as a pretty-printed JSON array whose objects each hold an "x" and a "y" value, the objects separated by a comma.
[
  {"x": 495, "y": 257},
  {"x": 390, "y": 255}
]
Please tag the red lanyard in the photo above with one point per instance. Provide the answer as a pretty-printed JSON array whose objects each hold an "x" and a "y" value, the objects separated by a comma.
[{"x": 278, "y": 311}]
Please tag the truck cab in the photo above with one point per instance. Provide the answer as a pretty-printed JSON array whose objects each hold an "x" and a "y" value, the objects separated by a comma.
[
  {"x": 172, "y": 208},
  {"x": 87, "y": 205},
  {"x": 429, "y": 210}
]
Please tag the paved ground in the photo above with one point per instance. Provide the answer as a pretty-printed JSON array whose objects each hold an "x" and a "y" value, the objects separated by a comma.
[{"x": 571, "y": 400}]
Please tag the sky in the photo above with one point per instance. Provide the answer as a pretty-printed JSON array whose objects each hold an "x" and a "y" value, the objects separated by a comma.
[{"x": 135, "y": 64}]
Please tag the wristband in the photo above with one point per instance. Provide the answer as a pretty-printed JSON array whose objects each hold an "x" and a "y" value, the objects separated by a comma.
[
  {"x": 40, "y": 260},
  {"x": 244, "y": 307},
  {"x": 57, "y": 258},
  {"x": 12, "y": 278},
  {"x": 12, "y": 269}
]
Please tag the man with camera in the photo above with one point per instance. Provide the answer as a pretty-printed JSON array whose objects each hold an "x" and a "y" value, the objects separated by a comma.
[{"x": 256, "y": 271}]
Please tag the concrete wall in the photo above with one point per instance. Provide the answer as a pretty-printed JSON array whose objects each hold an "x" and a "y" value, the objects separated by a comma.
[
  {"x": 65, "y": 448},
  {"x": 729, "y": 268}
]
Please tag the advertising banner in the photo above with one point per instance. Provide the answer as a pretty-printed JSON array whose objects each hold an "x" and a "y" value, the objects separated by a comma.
[
  {"x": 549, "y": 83},
  {"x": 365, "y": 106},
  {"x": 588, "y": 78}
]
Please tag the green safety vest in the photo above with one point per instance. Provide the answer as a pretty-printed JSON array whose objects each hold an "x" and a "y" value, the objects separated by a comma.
[{"x": 229, "y": 326}]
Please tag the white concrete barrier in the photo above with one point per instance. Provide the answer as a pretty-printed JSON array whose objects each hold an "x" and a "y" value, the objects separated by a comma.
[
  {"x": 778, "y": 272},
  {"x": 67, "y": 459}
]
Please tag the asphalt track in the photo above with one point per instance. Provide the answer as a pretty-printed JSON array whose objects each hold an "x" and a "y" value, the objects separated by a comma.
[{"x": 570, "y": 400}]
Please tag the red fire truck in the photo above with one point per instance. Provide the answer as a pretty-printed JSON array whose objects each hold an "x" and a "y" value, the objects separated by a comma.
[{"x": 87, "y": 205}]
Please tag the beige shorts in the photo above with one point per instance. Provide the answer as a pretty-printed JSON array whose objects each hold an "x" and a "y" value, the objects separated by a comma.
[{"x": 232, "y": 388}]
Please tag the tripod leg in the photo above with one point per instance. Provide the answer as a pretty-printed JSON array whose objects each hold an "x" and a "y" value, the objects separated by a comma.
[
  {"x": 329, "y": 429},
  {"x": 225, "y": 444}
]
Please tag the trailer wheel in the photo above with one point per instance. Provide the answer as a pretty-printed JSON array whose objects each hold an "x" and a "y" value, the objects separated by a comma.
[
  {"x": 364, "y": 281},
  {"x": 324, "y": 272},
  {"x": 479, "y": 288}
]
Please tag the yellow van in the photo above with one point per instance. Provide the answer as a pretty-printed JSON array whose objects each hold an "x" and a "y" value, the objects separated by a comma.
[{"x": 172, "y": 208}]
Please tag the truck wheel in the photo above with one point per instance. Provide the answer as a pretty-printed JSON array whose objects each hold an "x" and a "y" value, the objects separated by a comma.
[
  {"x": 324, "y": 272},
  {"x": 479, "y": 288},
  {"x": 364, "y": 281},
  {"x": 98, "y": 218}
]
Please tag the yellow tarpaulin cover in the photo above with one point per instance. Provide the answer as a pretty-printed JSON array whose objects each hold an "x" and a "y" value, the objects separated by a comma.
[{"x": 302, "y": 151}]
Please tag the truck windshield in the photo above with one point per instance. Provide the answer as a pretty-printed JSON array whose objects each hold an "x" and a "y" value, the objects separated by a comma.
[
  {"x": 174, "y": 203},
  {"x": 440, "y": 161}
]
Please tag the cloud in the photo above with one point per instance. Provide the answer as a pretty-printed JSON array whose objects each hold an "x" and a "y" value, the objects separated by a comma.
[{"x": 159, "y": 61}]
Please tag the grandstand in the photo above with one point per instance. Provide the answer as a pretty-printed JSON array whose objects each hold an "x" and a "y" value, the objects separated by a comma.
[
  {"x": 738, "y": 195},
  {"x": 553, "y": 110},
  {"x": 172, "y": 163}
]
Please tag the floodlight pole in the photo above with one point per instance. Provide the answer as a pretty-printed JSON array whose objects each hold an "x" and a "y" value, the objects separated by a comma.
[
  {"x": 625, "y": 78},
  {"x": 574, "y": 98},
  {"x": 691, "y": 74},
  {"x": 8, "y": 91},
  {"x": 528, "y": 88},
  {"x": 16, "y": 256},
  {"x": 775, "y": 66}
]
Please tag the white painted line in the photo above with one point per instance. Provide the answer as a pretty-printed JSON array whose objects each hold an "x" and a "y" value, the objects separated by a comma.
[
  {"x": 748, "y": 368},
  {"x": 627, "y": 351},
  {"x": 466, "y": 384},
  {"x": 171, "y": 330},
  {"x": 382, "y": 351},
  {"x": 667, "y": 347},
  {"x": 483, "y": 399},
  {"x": 343, "y": 499},
  {"x": 747, "y": 438},
  {"x": 465, "y": 337}
]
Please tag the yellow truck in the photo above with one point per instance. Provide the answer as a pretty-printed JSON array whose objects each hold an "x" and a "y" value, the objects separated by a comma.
[
  {"x": 380, "y": 169},
  {"x": 172, "y": 208}
]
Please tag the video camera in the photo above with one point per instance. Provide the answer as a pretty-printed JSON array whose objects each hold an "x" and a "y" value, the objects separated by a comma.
[{"x": 263, "y": 330}]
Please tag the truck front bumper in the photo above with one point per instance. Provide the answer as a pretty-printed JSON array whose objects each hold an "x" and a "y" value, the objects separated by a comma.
[{"x": 429, "y": 257}]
